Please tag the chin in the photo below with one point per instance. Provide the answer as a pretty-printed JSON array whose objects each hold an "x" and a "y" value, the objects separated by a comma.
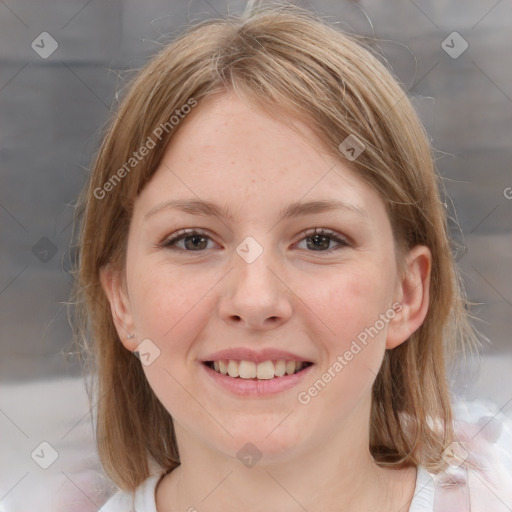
[{"x": 270, "y": 445}]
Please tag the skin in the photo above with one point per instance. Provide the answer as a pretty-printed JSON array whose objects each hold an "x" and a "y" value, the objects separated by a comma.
[{"x": 190, "y": 303}]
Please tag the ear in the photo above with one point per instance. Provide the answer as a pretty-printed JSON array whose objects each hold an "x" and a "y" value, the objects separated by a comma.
[
  {"x": 114, "y": 289},
  {"x": 413, "y": 295}
]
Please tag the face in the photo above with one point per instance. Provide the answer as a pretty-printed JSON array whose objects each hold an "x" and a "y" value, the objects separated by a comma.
[{"x": 246, "y": 282}]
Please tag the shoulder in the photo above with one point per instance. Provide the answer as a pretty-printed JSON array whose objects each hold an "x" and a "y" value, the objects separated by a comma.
[
  {"x": 120, "y": 502},
  {"x": 140, "y": 500}
]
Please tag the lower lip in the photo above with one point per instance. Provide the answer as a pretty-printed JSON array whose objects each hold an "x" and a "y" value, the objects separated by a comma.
[{"x": 258, "y": 388}]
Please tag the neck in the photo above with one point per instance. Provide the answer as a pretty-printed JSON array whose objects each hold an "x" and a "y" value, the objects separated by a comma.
[{"x": 337, "y": 473}]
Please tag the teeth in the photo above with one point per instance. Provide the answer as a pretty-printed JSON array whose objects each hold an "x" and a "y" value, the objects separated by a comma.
[
  {"x": 263, "y": 371},
  {"x": 280, "y": 368},
  {"x": 223, "y": 367},
  {"x": 290, "y": 367},
  {"x": 247, "y": 370},
  {"x": 233, "y": 369}
]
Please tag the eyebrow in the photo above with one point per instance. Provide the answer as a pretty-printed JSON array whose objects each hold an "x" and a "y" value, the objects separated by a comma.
[{"x": 207, "y": 208}]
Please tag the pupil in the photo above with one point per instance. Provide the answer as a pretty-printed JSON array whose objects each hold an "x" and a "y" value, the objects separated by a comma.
[
  {"x": 195, "y": 239},
  {"x": 317, "y": 238}
]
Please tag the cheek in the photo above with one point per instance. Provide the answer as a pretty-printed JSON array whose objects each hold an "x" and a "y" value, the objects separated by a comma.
[
  {"x": 348, "y": 309},
  {"x": 347, "y": 302},
  {"x": 168, "y": 302},
  {"x": 171, "y": 309}
]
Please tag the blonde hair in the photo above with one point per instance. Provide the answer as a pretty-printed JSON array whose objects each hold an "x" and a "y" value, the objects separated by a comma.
[{"x": 283, "y": 59}]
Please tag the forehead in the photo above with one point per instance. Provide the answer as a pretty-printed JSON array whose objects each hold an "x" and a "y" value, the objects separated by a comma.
[{"x": 229, "y": 152}]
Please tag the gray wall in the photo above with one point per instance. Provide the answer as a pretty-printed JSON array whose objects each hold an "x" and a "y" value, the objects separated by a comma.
[{"x": 52, "y": 111}]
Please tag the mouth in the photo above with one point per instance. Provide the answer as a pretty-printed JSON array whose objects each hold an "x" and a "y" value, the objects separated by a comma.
[{"x": 250, "y": 370}]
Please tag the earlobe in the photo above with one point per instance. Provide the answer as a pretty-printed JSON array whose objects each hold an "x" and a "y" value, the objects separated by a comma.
[
  {"x": 119, "y": 306},
  {"x": 413, "y": 294}
]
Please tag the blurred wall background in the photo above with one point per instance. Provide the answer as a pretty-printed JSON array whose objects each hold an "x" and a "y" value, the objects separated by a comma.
[{"x": 59, "y": 71}]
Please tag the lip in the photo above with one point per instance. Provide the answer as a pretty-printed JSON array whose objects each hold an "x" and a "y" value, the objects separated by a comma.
[
  {"x": 257, "y": 356},
  {"x": 255, "y": 388}
]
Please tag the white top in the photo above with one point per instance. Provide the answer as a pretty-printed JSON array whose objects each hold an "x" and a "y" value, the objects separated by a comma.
[
  {"x": 142, "y": 501},
  {"x": 481, "y": 483},
  {"x": 144, "y": 498},
  {"x": 423, "y": 500}
]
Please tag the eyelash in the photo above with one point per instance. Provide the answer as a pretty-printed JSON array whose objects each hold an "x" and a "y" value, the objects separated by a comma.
[{"x": 184, "y": 233}]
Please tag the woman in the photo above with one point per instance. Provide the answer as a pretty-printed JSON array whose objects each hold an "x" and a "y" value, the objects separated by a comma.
[{"x": 266, "y": 276}]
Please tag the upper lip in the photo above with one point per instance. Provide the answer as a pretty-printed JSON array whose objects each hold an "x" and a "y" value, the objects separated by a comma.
[{"x": 258, "y": 356}]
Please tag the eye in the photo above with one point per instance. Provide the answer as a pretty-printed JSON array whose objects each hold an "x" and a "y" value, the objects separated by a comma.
[
  {"x": 319, "y": 240},
  {"x": 193, "y": 240}
]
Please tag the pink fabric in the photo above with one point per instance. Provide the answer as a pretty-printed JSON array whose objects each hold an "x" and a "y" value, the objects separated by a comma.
[{"x": 480, "y": 476}]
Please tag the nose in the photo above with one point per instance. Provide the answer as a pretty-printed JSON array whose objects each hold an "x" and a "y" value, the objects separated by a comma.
[{"x": 254, "y": 295}]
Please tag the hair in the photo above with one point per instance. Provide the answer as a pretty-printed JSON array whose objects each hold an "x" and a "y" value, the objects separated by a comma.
[{"x": 283, "y": 59}]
